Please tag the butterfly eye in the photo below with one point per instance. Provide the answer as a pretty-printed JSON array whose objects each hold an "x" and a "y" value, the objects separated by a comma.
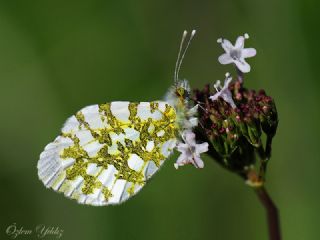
[{"x": 180, "y": 92}]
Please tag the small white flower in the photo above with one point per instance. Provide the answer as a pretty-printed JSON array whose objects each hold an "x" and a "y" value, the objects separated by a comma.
[
  {"x": 190, "y": 151},
  {"x": 224, "y": 91},
  {"x": 236, "y": 54}
]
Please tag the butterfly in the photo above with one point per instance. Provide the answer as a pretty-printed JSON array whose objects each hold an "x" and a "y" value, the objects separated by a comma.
[{"x": 107, "y": 152}]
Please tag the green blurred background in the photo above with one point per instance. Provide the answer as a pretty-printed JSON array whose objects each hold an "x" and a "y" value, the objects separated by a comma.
[{"x": 58, "y": 56}]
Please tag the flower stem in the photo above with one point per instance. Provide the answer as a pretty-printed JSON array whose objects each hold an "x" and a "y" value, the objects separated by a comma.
[
  {"x": 240, "y": 75},
  {"x": 272, "y": 213},
  {"x": 268, "y": 147},
  {"x": 264, "y": 156}
]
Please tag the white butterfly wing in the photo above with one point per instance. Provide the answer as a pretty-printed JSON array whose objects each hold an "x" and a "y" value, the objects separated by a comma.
[{"x": 107, "y": 152}]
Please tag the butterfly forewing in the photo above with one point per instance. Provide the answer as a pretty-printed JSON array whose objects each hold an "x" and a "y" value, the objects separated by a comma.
[{"x": 105, "y": 153}]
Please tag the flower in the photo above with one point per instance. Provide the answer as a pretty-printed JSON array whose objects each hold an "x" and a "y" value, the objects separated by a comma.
[
  {"x": 224, "y": 91},
  {"x": 236, "y": 54},
  {"x": 190, "y": 150}
]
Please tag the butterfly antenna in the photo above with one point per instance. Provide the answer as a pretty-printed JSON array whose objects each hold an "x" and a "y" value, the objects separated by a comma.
[
  {"x": 179, "y": 54},
  {"x": 184, "y": 53}
]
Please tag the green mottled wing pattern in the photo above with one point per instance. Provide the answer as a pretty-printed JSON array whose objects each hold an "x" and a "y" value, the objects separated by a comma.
[{"x": 106, "y": 153}]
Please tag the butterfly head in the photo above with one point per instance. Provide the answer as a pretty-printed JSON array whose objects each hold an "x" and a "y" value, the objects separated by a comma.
[
  {"x": 182, "y": 90},
  {"x": 178, "y": 95}
]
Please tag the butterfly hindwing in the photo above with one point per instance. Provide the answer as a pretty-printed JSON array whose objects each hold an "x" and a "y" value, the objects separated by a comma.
[{"x": 105, "y": 153}]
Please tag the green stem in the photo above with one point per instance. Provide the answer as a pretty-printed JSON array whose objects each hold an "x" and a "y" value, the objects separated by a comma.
[
  {"x": 268, "y": 147},
  {"x": 272, "y": 213},
  {"x": 264, "y": 156}
]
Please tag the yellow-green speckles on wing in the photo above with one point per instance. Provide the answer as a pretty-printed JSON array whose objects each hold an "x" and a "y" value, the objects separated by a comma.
[
  {"x": 106, "y": 193},
  {"x": 107, "y": 152}
]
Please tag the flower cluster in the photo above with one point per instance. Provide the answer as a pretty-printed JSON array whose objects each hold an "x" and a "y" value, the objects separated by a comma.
[
  {"x": 231, "y": 121},
  {"x": 235, "y": 133}
]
